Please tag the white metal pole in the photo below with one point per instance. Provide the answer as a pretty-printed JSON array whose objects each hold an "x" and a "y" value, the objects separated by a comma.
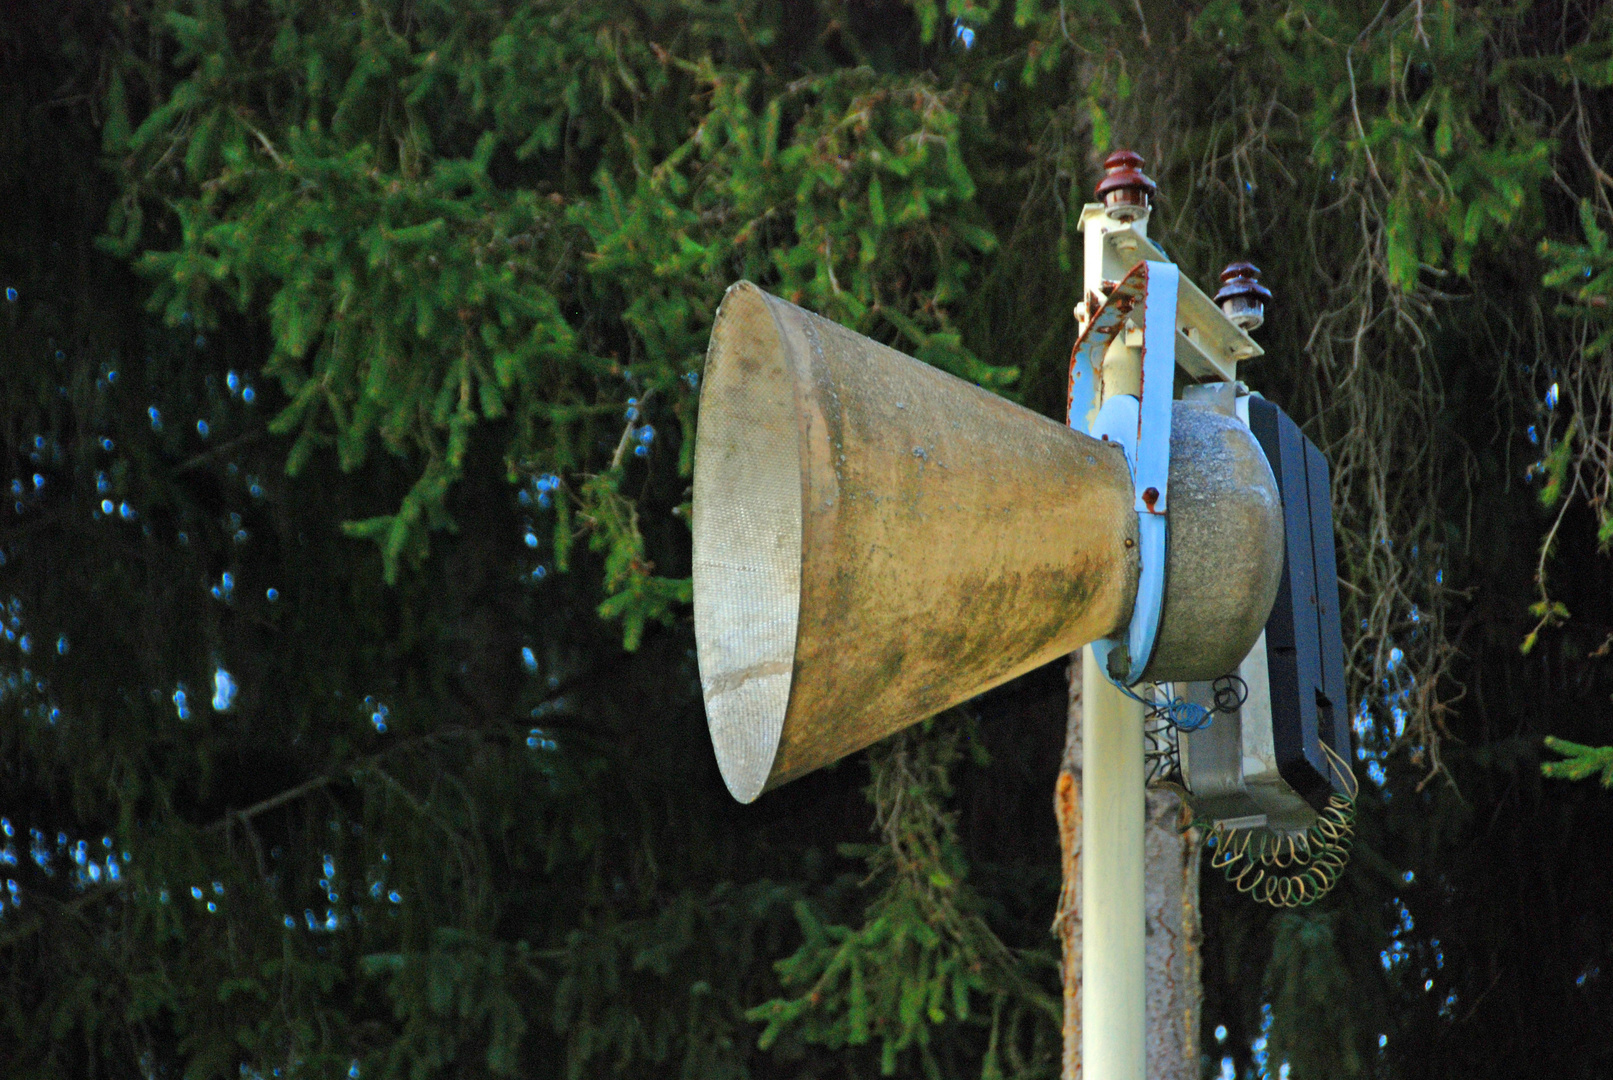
[
  {"x": 1113, "y": 801},
  {"x": 1113, "y": 809},
  {"x": 1113, "y": 913}
]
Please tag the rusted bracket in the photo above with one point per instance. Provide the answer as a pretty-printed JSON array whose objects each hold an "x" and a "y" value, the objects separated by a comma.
[
  {"x": 1108, "y": 314},
  {"x": 1146, "y": 298},
  {"x": 1208, "y": 345}
]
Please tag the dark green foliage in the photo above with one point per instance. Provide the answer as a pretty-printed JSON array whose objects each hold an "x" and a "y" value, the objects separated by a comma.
[
  {"x": 924, "y": 955},
  {"x": 1579, "y": 761},
  {"x": 500, "y": 844},
  {"x": 1306, "y": 984},
  {"x": 398, "y": 310},
  {"x": 448, "y": 215}
]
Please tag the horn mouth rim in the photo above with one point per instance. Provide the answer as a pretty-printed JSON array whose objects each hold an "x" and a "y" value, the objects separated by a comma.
[{"x": 746, "y": 518}]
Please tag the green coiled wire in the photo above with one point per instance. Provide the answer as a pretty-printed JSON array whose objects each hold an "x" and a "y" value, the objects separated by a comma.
[{"x": 1291, "y": 869}]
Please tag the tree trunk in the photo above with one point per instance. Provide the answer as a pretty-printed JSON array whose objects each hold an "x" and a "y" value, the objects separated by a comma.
[
  {"x": 1171, "y": 892},
  {"x": 1172, "y": 897},
  {"x": 1067, "y": 923}
]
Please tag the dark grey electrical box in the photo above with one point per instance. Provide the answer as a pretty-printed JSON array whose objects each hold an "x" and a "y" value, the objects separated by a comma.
[{"x": 1304, "y": 639}]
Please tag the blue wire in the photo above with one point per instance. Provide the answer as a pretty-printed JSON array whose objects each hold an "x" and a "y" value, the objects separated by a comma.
[
  {"x": 1180, "y": 714},
  {"x": 1186, "y": 715}
]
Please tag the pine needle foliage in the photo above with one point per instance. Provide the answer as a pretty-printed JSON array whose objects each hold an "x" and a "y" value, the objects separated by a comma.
[
  {"x": 1579, "y": 761},
  {"x": 451, "y": 215},
  {"x": 401, "y": 403},
  {"x": 924, "y": 954}
]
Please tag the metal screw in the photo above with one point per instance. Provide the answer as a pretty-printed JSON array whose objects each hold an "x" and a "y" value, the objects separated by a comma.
[
  {"x": 1242, "y": 296},
  {"x": 1125, "y": 190}
]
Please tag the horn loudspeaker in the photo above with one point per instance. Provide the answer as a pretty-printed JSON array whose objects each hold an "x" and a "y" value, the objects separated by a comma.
[{"x": 876, "y": 540}]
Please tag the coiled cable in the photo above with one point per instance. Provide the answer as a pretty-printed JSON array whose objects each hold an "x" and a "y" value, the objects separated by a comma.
[
  {"x": 1286, "y": 869},
  {"x": 1230, "y": 693}
]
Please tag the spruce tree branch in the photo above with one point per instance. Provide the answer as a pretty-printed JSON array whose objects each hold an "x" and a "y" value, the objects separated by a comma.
[
  {"x": 1355, "y": 108},
  {"x": 68, "y": 907},
  {"x": 221, "y": 449},
  {"x": 289, "y": 795},
  {"x": 49, "y": 517},
  {"x": 246, "y": 814},
  {"x": 353, "y": 769},
  {"x": 262, "y": 139}
]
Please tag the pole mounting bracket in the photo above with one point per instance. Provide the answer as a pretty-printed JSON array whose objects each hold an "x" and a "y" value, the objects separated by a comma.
[{"x": 1146, "y": 298}]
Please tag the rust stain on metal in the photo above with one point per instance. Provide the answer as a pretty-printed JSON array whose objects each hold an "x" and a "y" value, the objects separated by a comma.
[{"x": 1110, "y": 310}]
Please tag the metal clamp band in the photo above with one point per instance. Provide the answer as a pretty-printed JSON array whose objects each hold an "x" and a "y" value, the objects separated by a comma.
[{"x": 1143, "y": 429}]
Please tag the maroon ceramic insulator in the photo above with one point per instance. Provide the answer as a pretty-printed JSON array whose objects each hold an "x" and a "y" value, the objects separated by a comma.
[
  {"x": 1125, "y": 190},
  {"x": 1242, "y": 296}
]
